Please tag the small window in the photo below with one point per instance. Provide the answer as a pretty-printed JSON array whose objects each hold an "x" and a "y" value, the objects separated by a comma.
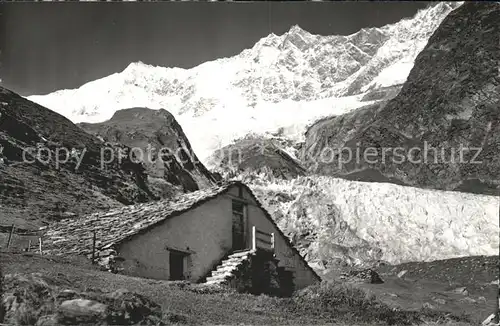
[{"x": 238, "y": 207}]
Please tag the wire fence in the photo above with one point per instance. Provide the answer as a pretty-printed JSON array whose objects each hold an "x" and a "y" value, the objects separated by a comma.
[{"x": 13, "y": 239}]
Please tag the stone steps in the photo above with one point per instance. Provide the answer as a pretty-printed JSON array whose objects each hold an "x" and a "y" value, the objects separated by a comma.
[
  {"x": 231, "y": 262},
  {"x": 240, "y": 254},
  {"x": 225, "y": 271}
]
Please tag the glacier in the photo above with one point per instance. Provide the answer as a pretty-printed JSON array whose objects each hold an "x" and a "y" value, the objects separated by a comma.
[{"x": 363, "y": 223}]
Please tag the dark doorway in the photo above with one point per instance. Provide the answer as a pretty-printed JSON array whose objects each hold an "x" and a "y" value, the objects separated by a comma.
[
  {"x": 176, "y": 266},
  {"x": 238, "y": 225}
]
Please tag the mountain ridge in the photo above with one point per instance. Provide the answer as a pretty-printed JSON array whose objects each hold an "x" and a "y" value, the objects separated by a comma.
[
  {"x": 52, "y": 169},
  {"x": 280, "y": 75},
  {"x": 166, "y": 151}
]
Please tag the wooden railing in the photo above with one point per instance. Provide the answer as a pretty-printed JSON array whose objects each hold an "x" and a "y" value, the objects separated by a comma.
[{"x": 262, "y": 240}]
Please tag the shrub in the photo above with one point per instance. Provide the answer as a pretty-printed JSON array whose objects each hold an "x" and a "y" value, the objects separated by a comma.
[
  {"x": 26, "y": 298},
  {"x": 330, "y": 299},
  {"x": 340, "y": 302}
]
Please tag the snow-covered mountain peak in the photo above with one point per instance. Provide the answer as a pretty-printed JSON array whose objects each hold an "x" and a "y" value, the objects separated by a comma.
[
  {"x": 299, "y": 38},
  {"x": 296, "y": 29},
  {"x": 296, "y": 75},
  {"x": 280, "y": 41},
  {"x": 136, "y": 66}
]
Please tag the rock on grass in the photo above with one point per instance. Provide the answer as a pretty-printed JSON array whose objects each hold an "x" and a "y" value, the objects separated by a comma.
[{"x": 38, "y": 300}]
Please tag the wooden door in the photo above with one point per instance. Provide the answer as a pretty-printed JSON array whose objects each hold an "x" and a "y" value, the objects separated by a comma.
[
  {"x": 238, "y": 226},
  {"x": 176, "y": 266}
]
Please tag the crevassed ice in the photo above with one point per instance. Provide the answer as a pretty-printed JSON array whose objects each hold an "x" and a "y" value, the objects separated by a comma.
[{"x": 405, "y": 223}]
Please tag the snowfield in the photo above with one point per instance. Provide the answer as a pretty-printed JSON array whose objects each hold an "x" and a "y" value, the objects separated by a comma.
[
  {"x": 361, "y": 223},
  {"x": 283, "y": 81},
  {"x": 288, "y": 117}
]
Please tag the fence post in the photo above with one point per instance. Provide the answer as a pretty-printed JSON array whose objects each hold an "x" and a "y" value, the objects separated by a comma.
[
  {"x": 93, "y": 247},
  {"x": 10, "y": 235},
  {"x": 272, "y": 241},
  {"x": 254, "y": 245},
  {"x": 496, "y": 320},
  {"x": 496, "y": 313},
  {"x": 29, "y": 245},
  {"x": 40, "y": 245}
]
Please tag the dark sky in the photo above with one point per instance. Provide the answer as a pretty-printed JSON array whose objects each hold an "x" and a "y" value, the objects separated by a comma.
[{"x": 51, "y": 46}]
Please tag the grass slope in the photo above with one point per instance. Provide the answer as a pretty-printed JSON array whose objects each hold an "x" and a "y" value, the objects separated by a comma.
[{"x": 322, "y": 305}]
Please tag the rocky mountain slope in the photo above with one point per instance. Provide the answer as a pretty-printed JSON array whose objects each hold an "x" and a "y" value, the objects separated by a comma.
[
  {"x": 156, "y": 136},
  {"x": 282, "y": 81},
  {"x": 449, "y": 104},
  {"x": 89, "y": 174},
  {"x": 257, "y": 154}
]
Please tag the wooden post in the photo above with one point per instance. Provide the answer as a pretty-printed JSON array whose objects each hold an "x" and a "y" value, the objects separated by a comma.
[
  {"x": 10, "y": 236},
  {"x": 254, "y": 244},
  {"x": 29, "y": 245},
  {"x": 272, "y": 241},
  {"x": 93, "y": 247},
  {"x": 497, "y": 307},
  {"x": 40, "y": 245},
  {"x": 494, "y": 318}
]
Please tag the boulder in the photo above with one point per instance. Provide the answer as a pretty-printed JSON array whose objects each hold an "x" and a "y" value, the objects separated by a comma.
[
  {"x": 461, "y": 290},
  {"x": 402, "y": 273},
  {"x": 82, "y": 311},
  {"x": 129, "y": 308},
  {"x": 366, "y": 275},
  {"x": 35, "y": 299}
]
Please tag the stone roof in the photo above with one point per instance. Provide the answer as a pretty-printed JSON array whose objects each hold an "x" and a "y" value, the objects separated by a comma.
[
  {"x": 112, "y": 227},
  {"x": 75, "y": 236}
]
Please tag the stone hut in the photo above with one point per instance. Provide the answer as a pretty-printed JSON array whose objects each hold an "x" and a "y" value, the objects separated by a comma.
[{"x": 218, "y": 236}]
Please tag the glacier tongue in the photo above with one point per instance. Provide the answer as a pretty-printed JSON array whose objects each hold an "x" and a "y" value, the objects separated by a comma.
[{"x": 362, "y": 223}]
